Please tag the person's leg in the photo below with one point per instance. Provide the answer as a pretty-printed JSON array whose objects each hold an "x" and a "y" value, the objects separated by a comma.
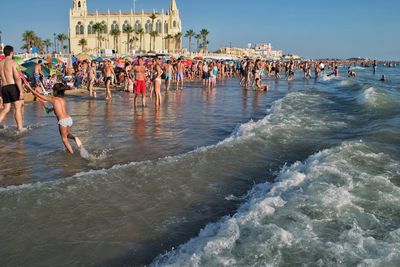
[
  {"x": 144, "y": 99},
  {"x": 18, "y": 106},
  {"x": 4, "y": 111},
  {"x": 108, "y": 92},
  {"x": 136, "y": 99},
  {"x": 75, "y": 138},
  {"x": 64, "y": 137}
]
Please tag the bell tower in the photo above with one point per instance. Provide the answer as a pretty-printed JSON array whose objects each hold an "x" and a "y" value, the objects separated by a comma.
[{"x": 79, "y": 8}]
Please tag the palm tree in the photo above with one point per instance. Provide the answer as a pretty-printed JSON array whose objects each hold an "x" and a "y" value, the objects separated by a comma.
[
  {"x": 178, "y": 40},
  {"x": 140, "y": 32},
  {"x": 62, "y": 38},
  {"x": 153, "y": 35},
  {"x": 128, "y": 30},
  {"x": 168, "y": 38},
  {"x": 204, "y": 33},
  {"x": 98, "y": 28},
  {"x": 133, "y": 40},
  {"x": 37, "y": 41},
  {"x": 115, "y": 33},
  {"x": 190, "y": 34},
  {"x": 153, "y": 16},
  {"x": 198, "y": 37},
  {"x": 83, "y": 42},
  {"x": 47, "y": 43},
  {"x": 28, "y": 37}
]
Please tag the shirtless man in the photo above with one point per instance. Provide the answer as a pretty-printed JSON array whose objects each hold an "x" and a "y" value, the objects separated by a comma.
[
  {"x": 108, "y": 74},
  {"x": 140, "y": 81},
  {"x": 168, "y": 74},
  {"x": 12, "y": 91},
  {"x": 38, "y": 74},
  {"x": 180, "y": 70}
]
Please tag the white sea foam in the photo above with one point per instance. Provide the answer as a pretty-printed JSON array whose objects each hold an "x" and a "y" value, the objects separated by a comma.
[{"x": 325, "y": 210}]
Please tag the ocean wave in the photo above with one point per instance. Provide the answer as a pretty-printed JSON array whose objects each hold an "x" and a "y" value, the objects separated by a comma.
[
  {"x": 339, "y": 207},
  {"x": 378, "y": 98},
  {"x": 289, "y": 119}
]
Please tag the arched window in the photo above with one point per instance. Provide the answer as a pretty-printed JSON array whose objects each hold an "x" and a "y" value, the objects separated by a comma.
[
  {"x": 105, "y": 27},
  {"x": 79, "y": 4},
  {"x": 114, "y": 26},
  {"x": 174, "y": 24},
  {"x": 158, "y": 26},
  {"x": 148, "y": 27},
  {"x": 125, "y": 25},
  {"x": 165, "y": 27},
  {"x": 90, "y": 28},
  {"x": 81, "y": 29},
  {"x": 78, "y": 28},
  {"x": 138, "y": 26}
]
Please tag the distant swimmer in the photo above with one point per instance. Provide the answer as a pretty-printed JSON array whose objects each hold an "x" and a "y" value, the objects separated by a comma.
[
  {"x": 60, "y": 110},
  {"x": 11, "y": 92},
  {"x": 374, "y": 66},
  {"x": 383, "y": 78},
  {"x": 351, "y": 73},
  {"x": 258, "y": 85}
]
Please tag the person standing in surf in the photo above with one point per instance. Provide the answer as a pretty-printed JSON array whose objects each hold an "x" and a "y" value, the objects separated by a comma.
[
  {"x": 11, "y": 92},
  {"x": 60, "y": 110},
  {"x": 140, "y": 81},
  {"x": 108, "y": 76}
]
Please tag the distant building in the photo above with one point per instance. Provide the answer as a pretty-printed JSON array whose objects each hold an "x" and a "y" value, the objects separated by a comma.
[
  {"x": 165, "y": 24},
  {"x": 260, "y": 50},
  {"x": 265, "y": 50}
]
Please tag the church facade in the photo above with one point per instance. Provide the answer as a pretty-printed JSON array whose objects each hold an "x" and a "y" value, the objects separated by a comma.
[{"x": 151, "y": 31}]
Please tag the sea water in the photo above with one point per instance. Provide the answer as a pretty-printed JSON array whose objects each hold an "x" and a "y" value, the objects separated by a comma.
[{"x": 307, "y": 174}]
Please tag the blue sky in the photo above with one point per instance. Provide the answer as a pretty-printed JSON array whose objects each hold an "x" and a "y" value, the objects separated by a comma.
[{"x": 310, "y": 28}]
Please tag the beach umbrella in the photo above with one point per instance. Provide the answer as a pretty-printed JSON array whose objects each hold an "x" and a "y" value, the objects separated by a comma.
[
  {"x": 30, "y": 68},
  {"x": 19, "y": 60},
  {"x": 54, "y": 60},
  {"x": 83, "y": 56},
  {"x": 36, "y": 60},
  {"x": 120, "y": 60},
  {"x": 99, "y": 59}
]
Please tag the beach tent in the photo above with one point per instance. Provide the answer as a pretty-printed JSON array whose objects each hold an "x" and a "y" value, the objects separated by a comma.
[
  {"x": 30, "y": 67},
  {"x": 19, "y": 60}
]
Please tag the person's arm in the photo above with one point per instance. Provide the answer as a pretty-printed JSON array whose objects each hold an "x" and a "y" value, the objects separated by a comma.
[{"x": 49, "y": 99}]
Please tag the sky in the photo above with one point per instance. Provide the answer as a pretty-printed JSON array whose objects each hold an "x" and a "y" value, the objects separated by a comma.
[{"x": 309, "y": 28}]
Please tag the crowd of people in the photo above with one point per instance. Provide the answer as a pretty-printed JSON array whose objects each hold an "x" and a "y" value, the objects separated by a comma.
[{"x": 140, "y": 76}]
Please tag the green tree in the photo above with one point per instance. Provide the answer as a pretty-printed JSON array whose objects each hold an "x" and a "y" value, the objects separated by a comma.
[
  {"x": 133, "y": 41},
  {"x": 83, "y": 43},
  {"x": 28, "y": 37},
  {"x": 128, "y": 30},
  {"x": 178, "y": 40},
  {"x": 153, "y": 36},
  {"x": 168, "y": 40},
  {"x": 99, "y": 28},
  {"x": 115, "y": 33},
  {"x": 153, "y": 16},
  {"x": 62, "y": 38},
  {"x": 140, "y": 32},
  {"x": 190, "y": 34},
  {"x": 198, "y": 38},
  {"x": 47, "y": 43},
  {"x": 204, "y": 33}
]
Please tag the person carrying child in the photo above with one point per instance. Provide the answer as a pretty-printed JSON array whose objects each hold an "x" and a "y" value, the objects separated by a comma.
[{"x": 60, "y": 110}]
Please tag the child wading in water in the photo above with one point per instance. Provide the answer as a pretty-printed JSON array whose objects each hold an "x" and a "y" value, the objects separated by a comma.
[{"x": 60, "y": 110}]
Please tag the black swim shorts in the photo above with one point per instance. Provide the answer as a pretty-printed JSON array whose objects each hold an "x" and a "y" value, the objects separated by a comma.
[{"x": 10, "y": 93}]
